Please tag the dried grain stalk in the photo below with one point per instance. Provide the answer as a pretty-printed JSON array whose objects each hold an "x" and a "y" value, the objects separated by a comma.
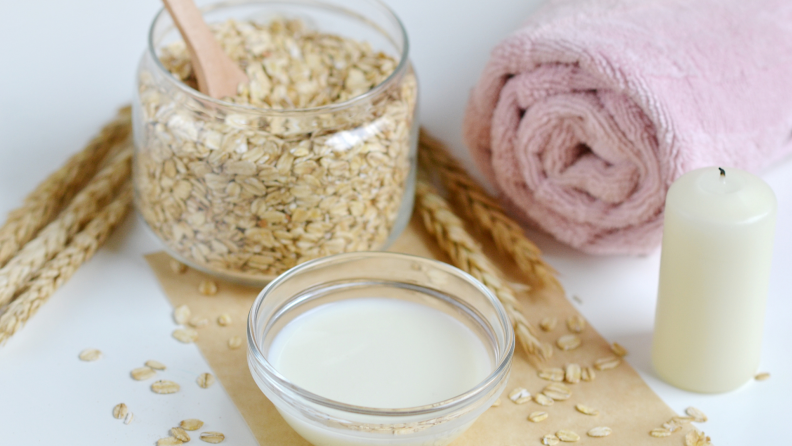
[
  {"x": 58, "y": 270},
  {"x": 54, "y": 237},
  {"x": 486, "y": 213},
  {"x": 49, "y": 197},
  {"x": 466, "y": 254}
]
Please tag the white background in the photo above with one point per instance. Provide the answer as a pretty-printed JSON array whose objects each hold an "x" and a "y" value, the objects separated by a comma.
[{"x": 66, "y": 67}]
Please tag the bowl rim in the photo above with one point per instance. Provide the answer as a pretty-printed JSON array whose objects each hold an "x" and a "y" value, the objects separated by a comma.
[
  {"x": 500, "y": 370},
  {"x": 401, "y": 67}
]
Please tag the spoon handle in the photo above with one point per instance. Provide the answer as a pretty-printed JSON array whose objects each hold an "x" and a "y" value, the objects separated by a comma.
[{"x": 218, "y": 76}]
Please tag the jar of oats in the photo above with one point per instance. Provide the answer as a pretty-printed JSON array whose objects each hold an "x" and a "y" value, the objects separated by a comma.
[{"x": 314, "y": 156}]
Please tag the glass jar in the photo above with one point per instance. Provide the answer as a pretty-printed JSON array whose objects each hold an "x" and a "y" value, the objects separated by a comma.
[
  {"x": 247, "y": 192},
  {"x": 325, "y": 422}
]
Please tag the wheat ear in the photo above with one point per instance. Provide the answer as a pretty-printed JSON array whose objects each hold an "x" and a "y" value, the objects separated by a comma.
[
  {"x": 486, "y": 214},
  {"x": 58, "y": 270},
  {"x": 50, "y": 240},
  {"x": 466, "y": 254},
  {"x": 49, "y": 197}
]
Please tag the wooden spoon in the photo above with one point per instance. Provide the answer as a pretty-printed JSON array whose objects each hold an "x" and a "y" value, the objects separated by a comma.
[{"x": 218, "y": 76}]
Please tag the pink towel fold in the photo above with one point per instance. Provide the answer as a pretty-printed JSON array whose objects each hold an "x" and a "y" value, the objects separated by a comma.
[{"x": 585, "y": 116}]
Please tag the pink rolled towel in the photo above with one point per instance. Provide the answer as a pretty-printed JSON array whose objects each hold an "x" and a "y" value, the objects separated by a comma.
[{"x": 584, "y": 117}]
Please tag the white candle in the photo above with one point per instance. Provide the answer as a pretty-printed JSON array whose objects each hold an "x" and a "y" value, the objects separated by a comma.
[
  {"x": 380, "y": 353},
  {"x": 714, "y": 271}
]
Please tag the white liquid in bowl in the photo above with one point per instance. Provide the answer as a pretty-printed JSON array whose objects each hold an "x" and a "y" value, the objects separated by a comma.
[{"x": 380, "y": 353}]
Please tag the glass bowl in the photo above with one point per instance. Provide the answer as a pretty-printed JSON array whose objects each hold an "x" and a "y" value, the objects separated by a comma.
[
  {"x": 343, "y": 277},
  {"x": 246, "y": 192}
]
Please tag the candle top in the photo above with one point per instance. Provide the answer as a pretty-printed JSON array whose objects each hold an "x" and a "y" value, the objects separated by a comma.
[
  {"x": 719, "y": 194},
  {"x": 381, "y": 353}
]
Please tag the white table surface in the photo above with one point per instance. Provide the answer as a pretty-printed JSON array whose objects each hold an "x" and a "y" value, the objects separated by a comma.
[{"x": 66, "y": 67}]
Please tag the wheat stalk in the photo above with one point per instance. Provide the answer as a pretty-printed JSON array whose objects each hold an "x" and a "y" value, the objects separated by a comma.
[
  {"x": 58, "y": 270},
  {"x": 466, "y": 254},
  {"x": 486, "y": 214},
  {"x": 50, "y": 240},
  {"x": 49, "y": 197}
]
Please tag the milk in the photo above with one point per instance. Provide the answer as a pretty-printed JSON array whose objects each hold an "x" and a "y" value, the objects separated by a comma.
[{"x": 380, "y": 353}]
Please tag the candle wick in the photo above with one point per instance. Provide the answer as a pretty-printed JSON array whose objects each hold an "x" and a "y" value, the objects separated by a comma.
[{"x": 723, "y": 172}]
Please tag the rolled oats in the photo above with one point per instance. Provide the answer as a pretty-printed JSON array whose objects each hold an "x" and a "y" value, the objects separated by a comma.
[
  {"x": 538, "y": 416},
  {"x": 587, "y": 374},
  {"x": 762, "y": 376},
  {"x": 129, "y": 417},
  {"x": 557, "y": 391},
  {"x": 120, "y": 411},
  {"x": 576, "y": 323},
  {"x": 234, "y": 342},
  {"x": 143, "y": 373},
  {"x": 177, "y": 266},
  {"x": 607, "y": 363},
  {"x": 90, "y": 354},
  {"x": 573, "y": 373},
  {"x": 520, "y": 395},
  {"x": 698, "y": 415},
  {"x": 251, "y": 192},
  {"x": 180, "y": 434},
  {"x": 697, "y": 438},
  {"x": 181, "y": 314},
  {"x": 198, "y": 322},
  {"x": 550, "y": 440},
  {"x": 169, "y": 441},
  {"x": 543, "y": 400},
  {"x": 156, "y": 365},
  {"x": 185, "y": 335},
  {"x": 659, "y": 432},
  {"x": 165, "y": 387},
  {"x": 567, "y": 436},
  {"x": 207, "y": 287},
  {"x": 552, "y": 374},
  {"x": 618, "y": 349},
  {"x": 224, "y": 319},
  {"x": 601, "y": 431},
  {"x": 191, "y": 424},
  {"x": 586, "y": 410},
  {"x": 212, "y": 437},
  {"x": 548, "y": 323},
  {"x": 568, "y": 342},
  {"x": 205, "y": 380}
]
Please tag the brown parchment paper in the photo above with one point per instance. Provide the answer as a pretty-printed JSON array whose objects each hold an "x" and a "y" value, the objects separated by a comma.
[{"x": 626, "y": 404}]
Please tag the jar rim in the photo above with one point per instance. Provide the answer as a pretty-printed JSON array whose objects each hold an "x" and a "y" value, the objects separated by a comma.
[
  {"x": 329, "y": 108},
  {"x": 499, "y": 371}
]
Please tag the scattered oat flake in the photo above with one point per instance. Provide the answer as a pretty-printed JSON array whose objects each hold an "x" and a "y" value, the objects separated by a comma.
[
  {"x": 128, "y": 418},
  {"x": 608, "y": 363},
  {"x": 601, "y": 431},
  {"x": 185, "y": 335},
  {"x": 548, "y": 323},
  {"x": 120, "y": 411},
  {"x": 234, "y": 342},
  {"x": 762, "y": 376},
  {"x": 90, "y": 354},
  {"x": 618, "y": 349},
  {"x": 180, "y": 434},
  {"x": 208, "y": 288},
  {"x": 191, "y": 424},
  {"x": 568, "y": 342},
  {"x": 212, "y": 437},
  {"x": 538, "y": 416},
  {"x": 205, "y": 380},
  {"x": 671, "y": 426},
  {"x": 520, "y": 395},
  {"x": 567, "y": 436},
  {"x": 169, "y": 441},
  {"x": 181, "y": 314},
  {"x": 143, "y": 373},
  {"x": 557, "y": 391},
  {"x": 553, "y": 374},
  {"x": 587, "y": 374},
  {"x": 697, "y": 438},
  {"x": 177, "y": 266},
  {"x": 543, "y": 399},
  {"x": 156, "y": 365},
  {"x": 496, "y": 403},
  {"x": 550, "y": 440},
  {"x": 164, "y": 387},
  {"x": 698, "y": 415},
  {"x": 198, "y": 322},
  {"x": 586, "y": 410},
  {"x": 682, "y": 420},
  {"x": 224, "y": 319},
  {"x": 572, "y": 374},
  {"x": 659, "y": 432},
  {"x": 576, "y": 323}
]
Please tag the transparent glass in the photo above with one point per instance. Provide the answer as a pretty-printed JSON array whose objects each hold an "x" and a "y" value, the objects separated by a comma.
[
  {"x": 325, "y": 422},
  {"x": 246, "y": 193}
]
